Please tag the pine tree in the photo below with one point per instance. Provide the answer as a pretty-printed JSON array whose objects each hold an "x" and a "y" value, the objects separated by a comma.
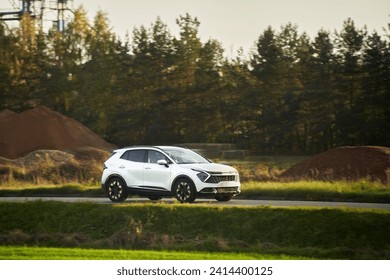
[
  {"x": 375, "y": 101},
  {"x": 349, "y": 76}
]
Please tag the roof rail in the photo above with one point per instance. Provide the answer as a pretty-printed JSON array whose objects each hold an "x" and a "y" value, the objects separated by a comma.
[{"x": 139, "y": 146}]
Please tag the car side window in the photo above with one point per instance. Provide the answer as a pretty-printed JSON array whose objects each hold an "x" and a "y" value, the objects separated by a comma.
[
  {"x": 137, "y": 155},
  {"x": 134, "y": 155},
  {"x": 125, "y": 155},
  {"x": 154, "y": 156}
]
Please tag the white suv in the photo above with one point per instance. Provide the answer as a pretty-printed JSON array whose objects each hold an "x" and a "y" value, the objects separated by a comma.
[{"x": 156, "y": 172}]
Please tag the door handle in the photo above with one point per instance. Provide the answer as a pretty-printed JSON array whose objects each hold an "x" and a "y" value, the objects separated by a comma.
[
  {"x": 122, "y": 166},
  {"x": 147, "y": 167}
]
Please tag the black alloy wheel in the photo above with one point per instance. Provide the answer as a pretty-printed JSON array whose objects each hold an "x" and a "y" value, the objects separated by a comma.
[
  {"x": 184, "y": 190},
  {"x": 116, "y": 190}
]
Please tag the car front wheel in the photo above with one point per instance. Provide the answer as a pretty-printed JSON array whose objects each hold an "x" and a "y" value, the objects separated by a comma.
[
  {"x": 184, "y": 190},
  {"x": 116, "y": 190}
]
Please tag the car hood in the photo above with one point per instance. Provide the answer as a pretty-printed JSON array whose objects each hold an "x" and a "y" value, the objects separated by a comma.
[{"x": 211, "y": 167}]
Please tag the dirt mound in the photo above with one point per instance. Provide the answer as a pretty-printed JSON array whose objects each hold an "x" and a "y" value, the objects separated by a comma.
[
  {"x": 44, "y": 159},
  {"x": 54, "y": 167},
  {"x": 41, "y": 128},
  {"x": 344, "y": 163}
]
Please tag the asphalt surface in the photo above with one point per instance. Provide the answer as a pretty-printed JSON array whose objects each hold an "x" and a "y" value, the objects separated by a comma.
[{"x": 210, "y": 202}]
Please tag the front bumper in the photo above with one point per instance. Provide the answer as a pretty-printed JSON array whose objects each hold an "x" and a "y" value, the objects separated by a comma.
[{"x": 221, "y": 190}]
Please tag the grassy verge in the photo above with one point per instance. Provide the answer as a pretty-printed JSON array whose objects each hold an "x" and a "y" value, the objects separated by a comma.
[
  {"x": 361, "y": 191},
  {"x": 300, "y": 232},
  {"x": 71, "y": 190},
  {"x": 302, "y": 190},
  {"x": 44, "y": 253}
]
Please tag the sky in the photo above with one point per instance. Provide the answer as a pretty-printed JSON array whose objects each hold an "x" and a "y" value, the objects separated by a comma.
[{"x": 239, "y": 23}]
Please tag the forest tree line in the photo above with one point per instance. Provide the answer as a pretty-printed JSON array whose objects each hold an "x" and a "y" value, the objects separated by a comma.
[{"x": 292, "y": 93}]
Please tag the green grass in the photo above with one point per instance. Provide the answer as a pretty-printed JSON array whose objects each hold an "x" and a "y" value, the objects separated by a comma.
[
  {"x": 361, "y": 191},
  {"x": 319, "y": 233},
  {"x": 44, "y": 253}
]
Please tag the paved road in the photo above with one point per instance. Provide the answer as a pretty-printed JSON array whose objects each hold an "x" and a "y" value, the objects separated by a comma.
[{"x": 234, "y": 202}]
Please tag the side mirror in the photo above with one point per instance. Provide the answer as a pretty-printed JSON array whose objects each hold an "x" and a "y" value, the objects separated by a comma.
[{"x": 162, "y": 162}]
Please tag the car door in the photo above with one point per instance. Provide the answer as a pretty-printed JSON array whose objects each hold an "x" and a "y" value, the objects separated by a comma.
[
  {"x": 131, "y": 167},
  {"x": 156, "y": 175}
]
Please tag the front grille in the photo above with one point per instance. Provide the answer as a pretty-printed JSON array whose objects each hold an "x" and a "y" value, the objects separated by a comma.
[{"x": 215, "y": 179}]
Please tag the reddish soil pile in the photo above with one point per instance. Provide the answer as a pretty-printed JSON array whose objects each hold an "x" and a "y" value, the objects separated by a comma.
[
  {"x": 41, "y": 128},
  {"x": 344, "y": 163}
]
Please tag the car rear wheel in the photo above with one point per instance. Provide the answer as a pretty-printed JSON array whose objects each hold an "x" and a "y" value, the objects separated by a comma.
[
  {"x": 184, "y": 190},
  {"x": 116, "y": 190}
]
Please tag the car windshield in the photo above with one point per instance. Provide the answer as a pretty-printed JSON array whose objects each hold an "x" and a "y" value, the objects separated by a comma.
[{"x": 185, "y": 156}]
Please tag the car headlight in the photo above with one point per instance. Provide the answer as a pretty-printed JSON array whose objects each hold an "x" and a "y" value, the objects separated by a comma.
[{"x": 203, "y": 176}]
